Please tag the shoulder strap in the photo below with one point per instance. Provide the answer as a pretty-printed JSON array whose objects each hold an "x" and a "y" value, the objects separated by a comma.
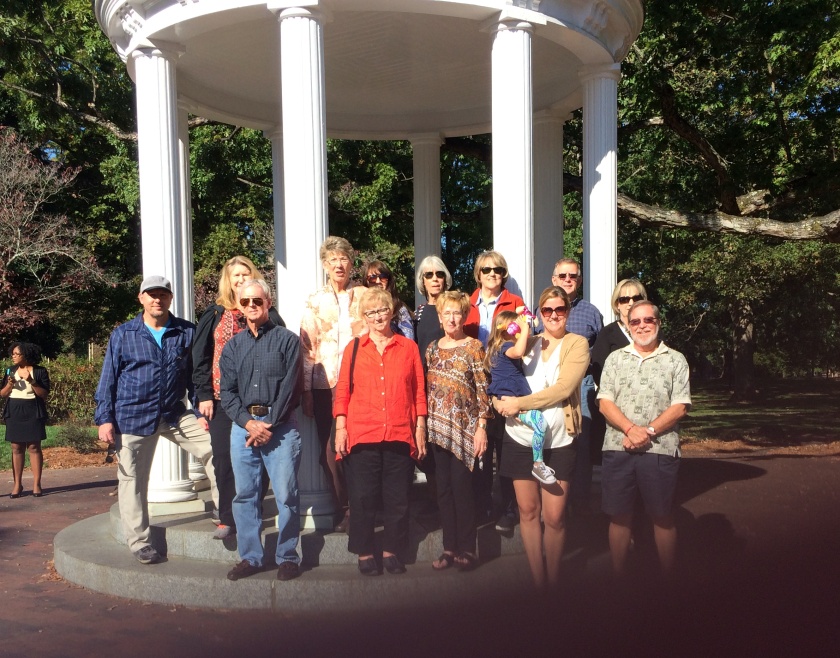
[{"x": 353, "y": 361}]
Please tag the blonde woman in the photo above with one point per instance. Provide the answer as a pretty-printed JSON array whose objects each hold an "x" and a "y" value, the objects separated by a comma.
[{"x": 218, "y": 324}]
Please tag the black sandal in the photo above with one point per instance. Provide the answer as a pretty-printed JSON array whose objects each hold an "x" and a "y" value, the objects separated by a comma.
[
  {"x": 466, "y": 561},
  {"x": 448, "y": 559},
  {"x": 368, "y": 566}
]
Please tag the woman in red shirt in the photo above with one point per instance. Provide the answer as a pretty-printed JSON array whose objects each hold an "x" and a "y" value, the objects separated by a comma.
[{"x": 380, "y": 428}]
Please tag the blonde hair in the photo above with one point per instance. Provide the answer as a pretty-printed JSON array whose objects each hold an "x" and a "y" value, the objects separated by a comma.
[
  {"x": 456, "y": 297},
  {"x": 374, "y": 298},
  {"x": 498, "y": 337},
  {"x": 227, "y": 294},
  {"x": 490, "y": 259},
  {"x": 619, "y": 288}
]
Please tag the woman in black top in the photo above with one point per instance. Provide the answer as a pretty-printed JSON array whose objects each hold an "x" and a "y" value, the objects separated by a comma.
[
  {"x": 27, "y": 387},
  {"x": 611, "y": 338},
  {"x": 432, "y": 279}
]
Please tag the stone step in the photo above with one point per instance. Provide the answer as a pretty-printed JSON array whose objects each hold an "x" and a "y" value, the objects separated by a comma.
[
  {"x": 87, "y": 554},
  {"x": 189, "y": 535}
]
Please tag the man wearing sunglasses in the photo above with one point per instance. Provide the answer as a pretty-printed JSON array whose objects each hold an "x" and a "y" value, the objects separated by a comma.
[
  {"x": 260, "y": 390},
  {"x": 644, "y": 394},
  {"x": 584, "y": 320},
  {"x": 146, "y": 375}
]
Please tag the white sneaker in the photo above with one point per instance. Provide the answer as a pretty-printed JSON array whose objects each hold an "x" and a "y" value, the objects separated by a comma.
[{"x": 543, "y": 473}]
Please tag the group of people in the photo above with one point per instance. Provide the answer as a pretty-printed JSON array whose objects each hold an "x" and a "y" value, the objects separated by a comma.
[{"x": 463, "y": 381}]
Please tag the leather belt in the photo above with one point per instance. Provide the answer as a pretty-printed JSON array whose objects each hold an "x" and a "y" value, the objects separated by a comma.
[{"x": 258, "y": 410}]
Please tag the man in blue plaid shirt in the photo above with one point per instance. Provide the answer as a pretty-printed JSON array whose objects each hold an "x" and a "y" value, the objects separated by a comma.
[
  {"x": 585, "y": 320},
  {"x": 145, "y": 379}
]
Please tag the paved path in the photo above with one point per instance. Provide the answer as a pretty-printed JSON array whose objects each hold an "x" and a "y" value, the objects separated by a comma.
[{"x": 759, "y": 575}]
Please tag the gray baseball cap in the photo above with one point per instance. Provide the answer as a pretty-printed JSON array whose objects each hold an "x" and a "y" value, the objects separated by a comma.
[{"x": 155, "y": 283}]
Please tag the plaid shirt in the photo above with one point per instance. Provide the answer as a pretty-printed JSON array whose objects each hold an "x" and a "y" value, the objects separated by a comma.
[
  {"x": 584, "y": 320},
  {"x": 141, "y": 383}
]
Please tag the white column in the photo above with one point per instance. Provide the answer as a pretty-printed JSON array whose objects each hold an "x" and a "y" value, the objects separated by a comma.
[
  {"x": 162, "y": 222},
  {"x": 600, "y": 183},
  {"x": 548, "y": 197},
  {"x": 284, "y": 283},
  {"x": 513, "y": 212},
  {"x": 305, "y": 214},
  {"x": 426, "y": 154}
]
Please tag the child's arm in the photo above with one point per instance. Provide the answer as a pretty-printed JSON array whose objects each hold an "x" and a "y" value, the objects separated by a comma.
[{"x": 521, "y": 346}]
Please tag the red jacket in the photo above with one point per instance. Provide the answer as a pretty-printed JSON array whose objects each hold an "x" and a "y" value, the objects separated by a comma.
[{"x": 507, "y": 302}]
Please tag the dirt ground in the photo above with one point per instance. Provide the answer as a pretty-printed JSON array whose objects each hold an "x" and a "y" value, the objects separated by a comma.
[{"x": 757, "y": 575}]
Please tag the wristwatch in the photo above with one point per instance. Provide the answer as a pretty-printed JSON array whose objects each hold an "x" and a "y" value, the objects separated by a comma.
[{"x": 651, "y": 429}]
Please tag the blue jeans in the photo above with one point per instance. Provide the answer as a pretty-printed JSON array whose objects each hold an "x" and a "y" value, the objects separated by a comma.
[
  {"x": 281, "y": 457},
  {"x": 582, "y": 477}
]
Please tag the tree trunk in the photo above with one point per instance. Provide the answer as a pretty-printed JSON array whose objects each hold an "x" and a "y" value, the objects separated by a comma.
[{"x": 743, "y": 349}]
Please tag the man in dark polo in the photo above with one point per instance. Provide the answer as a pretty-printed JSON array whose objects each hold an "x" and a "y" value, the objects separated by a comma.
[
  {"x": 260, "y": 391},
  {"x": 643, "y": 395},
  {"x": 145, "y": 378}
]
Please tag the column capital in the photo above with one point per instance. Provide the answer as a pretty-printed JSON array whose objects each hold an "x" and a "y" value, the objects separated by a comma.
[
  {"x": 273, "y": 133},
  {"x": 513, "y": 18},
  {"x": 315, "y": 10},
  {"x": 166, "y": 49},
  {"x": 600, "y": 71},
  {"x": 420, "y": 139}
]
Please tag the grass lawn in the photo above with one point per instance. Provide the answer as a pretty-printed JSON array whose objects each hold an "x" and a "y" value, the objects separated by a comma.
[
  {"x": 6, "y": 449},
  {"x": 790, "y": 413}
]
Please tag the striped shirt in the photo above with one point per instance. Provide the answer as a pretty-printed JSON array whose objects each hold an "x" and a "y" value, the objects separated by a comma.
[{"x": 141, "y": 383}]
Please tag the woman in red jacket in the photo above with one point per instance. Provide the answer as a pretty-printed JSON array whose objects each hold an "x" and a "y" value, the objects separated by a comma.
[
  {"x": 380, "y": 428},
  {"x": 491, "y": 274}
]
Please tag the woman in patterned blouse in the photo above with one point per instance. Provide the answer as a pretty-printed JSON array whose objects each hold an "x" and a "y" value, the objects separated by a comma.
[{"x": 456, "y": 387}]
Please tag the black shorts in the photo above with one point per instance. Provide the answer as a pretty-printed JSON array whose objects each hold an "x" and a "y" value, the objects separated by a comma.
[
  {"x": 518, "y": 460},
  {"x": 623, "y": 474}
]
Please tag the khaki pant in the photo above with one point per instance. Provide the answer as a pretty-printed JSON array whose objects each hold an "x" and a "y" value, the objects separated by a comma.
[{"x": 136, "y": 455}]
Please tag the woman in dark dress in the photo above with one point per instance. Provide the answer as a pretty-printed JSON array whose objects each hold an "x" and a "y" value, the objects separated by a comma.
[{"x": 27, "y": 387}]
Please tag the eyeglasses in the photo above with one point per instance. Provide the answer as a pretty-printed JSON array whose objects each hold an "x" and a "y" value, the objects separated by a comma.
[
  {"x": 256, "y": 301},
  {"x": 437, "y": 275},
  {"x": 336, "y": 261},
  {"x": 501, "y": 271},
  {"x": 548, "y": 311},
  {"x": 565, "y": 275},
  {"x": 452, "y": 314},
  {"x": 372, "y": 278},
  {"x": 635, "y": 322},
  {"x": 624, "y": 299},
  {"x": 377, "y": 312}
]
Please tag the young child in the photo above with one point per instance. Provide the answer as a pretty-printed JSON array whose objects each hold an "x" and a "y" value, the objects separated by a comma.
[{"x": 505, "y": 348}]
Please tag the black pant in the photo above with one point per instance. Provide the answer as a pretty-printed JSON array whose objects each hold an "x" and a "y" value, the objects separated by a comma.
[
  {"x": 220, "y": 443},
  {"x": 456, "y": 502},
  {"x": 378, "y": 473},
  {"x": 483, "y": 479}
]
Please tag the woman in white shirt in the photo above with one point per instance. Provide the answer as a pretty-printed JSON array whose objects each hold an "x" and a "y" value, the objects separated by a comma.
[{"x": 554, "y": 365}]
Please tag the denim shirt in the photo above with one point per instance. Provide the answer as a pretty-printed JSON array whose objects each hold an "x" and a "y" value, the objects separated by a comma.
[{"x": 141, "y": 383}]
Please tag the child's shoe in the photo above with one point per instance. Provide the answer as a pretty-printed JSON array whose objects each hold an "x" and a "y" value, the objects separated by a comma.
[{"x": 543, "y": 473}]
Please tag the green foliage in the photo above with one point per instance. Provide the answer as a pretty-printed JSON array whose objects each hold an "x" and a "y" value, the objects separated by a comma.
[
  {"x": 81, "y": 438},
  {"x": 74, "y": 382}
]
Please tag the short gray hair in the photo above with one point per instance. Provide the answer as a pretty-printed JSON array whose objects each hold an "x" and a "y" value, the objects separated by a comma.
[{"x": 260, "y": 283}]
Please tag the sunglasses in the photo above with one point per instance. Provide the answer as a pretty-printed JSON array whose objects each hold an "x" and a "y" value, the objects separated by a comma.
[
  {"x": 372, "y": 278},
  {"x": 548, "y": 311},
  {"x": 635, "y": 322},
  {"x": 256, "y": 301},
  {"x": 501, "y": 271},
  {"x": 566, "y": 275},
  {"x": 624, "y": 299},
  {"x": 437, "y": 275}
]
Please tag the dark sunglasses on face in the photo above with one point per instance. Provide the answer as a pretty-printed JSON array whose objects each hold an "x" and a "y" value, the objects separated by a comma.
[
  {"x": 501, "y": 271},
  {"x": 437, "y": 275},
  {"x": 548, "y": 311},
  {"x": 382, "y": 277},
  {"x": 635, "y": 322},
  {"x": 635, "y": 298},
  {"x": 256, "y": 301},
  {"x": 566, "y": 275}
]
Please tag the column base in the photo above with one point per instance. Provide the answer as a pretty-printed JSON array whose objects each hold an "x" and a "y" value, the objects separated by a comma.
[
  {"x": 176, "y": 491},
  {"x": 180, "y": 507}
]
